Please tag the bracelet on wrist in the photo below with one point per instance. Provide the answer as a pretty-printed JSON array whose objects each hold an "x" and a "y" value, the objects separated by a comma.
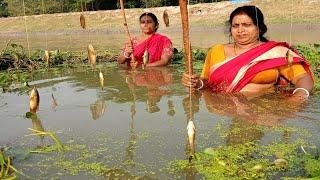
[
  {"x": 201, "y": 86},
  {"x": 125, "y": 55},
  {"x": 302, "y": 89}
]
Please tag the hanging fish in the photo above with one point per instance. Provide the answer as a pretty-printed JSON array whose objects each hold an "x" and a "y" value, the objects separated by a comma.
[
  {"x": 34, "y": 100},
  {"x": 145, "y": 57},
  {"x": 92, "y": 56},
  {"x": 101, "y": 79},
  {"x": 82, "y": 21},
  {"x": 289, "y": 58},
  {"x": 54, "y": 102},
  {"x": 191, "y": 129},
  {"x": 166, "y": 18},
  {"x": 46, "y": 56}
]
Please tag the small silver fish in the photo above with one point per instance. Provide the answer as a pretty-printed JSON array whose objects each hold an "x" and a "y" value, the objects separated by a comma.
[
  {"x": 92, "y": 57},
  {"x": 34, "y": 100},
  {"x": 191, "y": 129},
  {"x": 289, "y": 58},
  {"x": 166, "y": 18},
  {"x": 46, "y": 56},
  {"x": 145, "y": 57},
  {"x": 101, "y": 79}
]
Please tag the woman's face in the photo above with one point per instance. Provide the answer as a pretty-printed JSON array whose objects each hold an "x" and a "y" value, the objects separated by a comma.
[
  {"x": 147, "y": 25},
  {"x": 243, "y": 30}
]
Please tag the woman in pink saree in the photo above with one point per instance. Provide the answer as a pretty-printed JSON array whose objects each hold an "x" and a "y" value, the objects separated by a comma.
[
  {"x": 159, "y": 47},
  {"x": 252, "y": 64}
]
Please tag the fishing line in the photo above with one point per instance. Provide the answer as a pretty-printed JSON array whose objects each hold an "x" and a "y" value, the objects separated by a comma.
[
  {"x": 255, "y": 7},
  {"x": 25, "y": 25},
  {"x": 189, "y": 61},
  {"x": 291, "y": 24},
  {"x": 44, "y": 22}
]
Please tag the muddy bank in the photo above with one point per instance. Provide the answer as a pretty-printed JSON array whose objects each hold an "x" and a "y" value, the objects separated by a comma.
[{"x": 113, "y": 39}]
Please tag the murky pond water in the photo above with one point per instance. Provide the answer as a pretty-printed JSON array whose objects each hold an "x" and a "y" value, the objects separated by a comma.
[{"x": 136, "y": 125}]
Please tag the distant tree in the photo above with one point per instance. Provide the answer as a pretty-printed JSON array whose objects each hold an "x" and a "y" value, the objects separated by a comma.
[
  {"x": 15, "y": 7},
  {"x": 105, "y": 4},
  {"x": 4, "y": 9}
]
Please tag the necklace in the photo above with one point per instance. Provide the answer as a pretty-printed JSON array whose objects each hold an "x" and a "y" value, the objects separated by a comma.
[{"x": 252, "y": 46}]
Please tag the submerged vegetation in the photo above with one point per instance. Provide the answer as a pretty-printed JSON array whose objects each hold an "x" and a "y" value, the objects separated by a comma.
[{"x": 252, "y": 159}]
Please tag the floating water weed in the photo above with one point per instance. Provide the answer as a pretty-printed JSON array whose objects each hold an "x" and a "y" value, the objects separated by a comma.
[
  {"x": 59, "y": 145},
  {"x": 7, "y": 169}
]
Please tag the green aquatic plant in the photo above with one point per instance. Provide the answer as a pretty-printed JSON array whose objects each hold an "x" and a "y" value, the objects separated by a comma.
[
  {"x": 59, "y": 145},
  {"x": 7, "y": 170},
  {"x": 253, "y": 159}
]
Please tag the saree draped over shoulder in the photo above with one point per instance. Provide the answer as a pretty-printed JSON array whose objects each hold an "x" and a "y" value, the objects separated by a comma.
[
  {"x": 156, "y": 45},
  {"x": 255, "y": 66}
]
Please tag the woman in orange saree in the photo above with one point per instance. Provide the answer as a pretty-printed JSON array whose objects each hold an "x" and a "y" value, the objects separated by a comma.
[{"x": 251, "y": 64}]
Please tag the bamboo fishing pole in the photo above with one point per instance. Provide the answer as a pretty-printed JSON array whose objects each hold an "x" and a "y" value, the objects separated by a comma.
[
  {"x": 126, "y": 27},
  {"x": 191, "y": 130},
  {"x": 186, "y": 38}
]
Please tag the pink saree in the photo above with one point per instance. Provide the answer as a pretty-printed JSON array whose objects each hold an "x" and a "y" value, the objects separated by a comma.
[
  {"x": 156, "y": 45},
  {"x": 233, "y": 74}
]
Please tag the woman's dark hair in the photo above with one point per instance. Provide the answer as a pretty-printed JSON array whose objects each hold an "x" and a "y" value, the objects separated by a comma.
[
  {"x": 153, "y": 17},
  {"x": 257, "y": 17}
]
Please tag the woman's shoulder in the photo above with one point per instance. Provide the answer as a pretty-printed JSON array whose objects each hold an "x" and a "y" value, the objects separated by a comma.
[
  {"x": 217, "y": 48},
  {"x": 162, "y": 36}
]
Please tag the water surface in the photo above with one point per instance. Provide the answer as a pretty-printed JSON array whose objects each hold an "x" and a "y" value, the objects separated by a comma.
[{"x": 136, "y": 124}]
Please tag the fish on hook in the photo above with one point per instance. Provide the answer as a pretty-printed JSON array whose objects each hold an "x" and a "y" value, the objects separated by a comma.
[
  {"x": 54, "y": 101},
  {"x": 46, "y": 56},
  {"x": 101, "y": 79},
  {"x": 92, "y": 56},
  {"x": 34, "y": 100},
  {"x": 289, "y": 58},
  {"x": 82, "y": 21},
  {"x": 145, "y": 58},
  {"x": 166, "y": 18},
  {"x": 191, "y": 129}
]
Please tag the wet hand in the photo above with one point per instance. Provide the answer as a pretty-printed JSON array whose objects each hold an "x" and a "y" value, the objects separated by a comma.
[
  {"x": 190, "y": 81},
  {"x": 128, "y": 49}
]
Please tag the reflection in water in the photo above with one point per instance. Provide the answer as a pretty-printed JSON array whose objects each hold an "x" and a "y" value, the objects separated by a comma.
[
  {"x": 152, "y": 79},
  {"x": 171, "y": 108},
  {"x": 54, "y": 102},
  {"x": 267, "y": 110},
  {"x": 129, "y": 155},
  {"x": 97, "y": 109},
  {"x": 37, "y": 125},
  {"x": 242, "y": 131}
]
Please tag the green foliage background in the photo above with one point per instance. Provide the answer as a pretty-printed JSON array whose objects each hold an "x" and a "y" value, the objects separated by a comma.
[{"x": 32, "y": 7}]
